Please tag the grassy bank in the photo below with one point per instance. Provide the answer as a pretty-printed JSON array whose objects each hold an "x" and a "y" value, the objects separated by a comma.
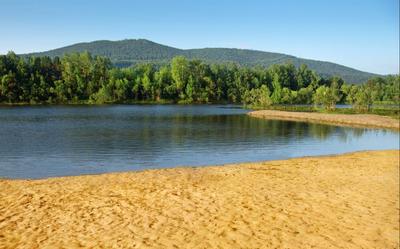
[
  {"x": 88, "y": 102},
  {"x": 130, "y": 102}
]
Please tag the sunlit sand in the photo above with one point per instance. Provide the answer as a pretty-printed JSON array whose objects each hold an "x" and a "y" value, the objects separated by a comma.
[
  {"x": 344, "y": 201},
  {"x": 354, "y": 120}
]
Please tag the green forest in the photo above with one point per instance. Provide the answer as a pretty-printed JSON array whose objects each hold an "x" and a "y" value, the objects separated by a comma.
[
  {"x": 125, "y": 53},
  {"x": 83, "y": 78}
]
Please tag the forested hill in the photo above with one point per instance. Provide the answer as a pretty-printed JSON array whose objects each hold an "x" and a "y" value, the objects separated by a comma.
[{"x": 127, "y": 52}]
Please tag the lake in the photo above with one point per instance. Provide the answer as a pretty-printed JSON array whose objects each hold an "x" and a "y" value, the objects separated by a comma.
[{"x": 46, "y": 141}]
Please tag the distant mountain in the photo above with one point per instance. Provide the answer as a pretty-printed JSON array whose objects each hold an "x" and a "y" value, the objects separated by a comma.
[{"x": 127, "y": 52}]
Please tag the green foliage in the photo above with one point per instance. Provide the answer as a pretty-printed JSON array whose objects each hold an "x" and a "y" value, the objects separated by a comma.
[
  {"x": 304, "y": 95},
  {"x": 125, "y": 53},
  {"x": 180, "y": 72},
  {"x": 83, "y": 78},
  {"x": 330, "y": 94},
  {"x": 257, "y": 97},
  {"x": 8, "y": 87},
  {"x": 363, "y": 99}
]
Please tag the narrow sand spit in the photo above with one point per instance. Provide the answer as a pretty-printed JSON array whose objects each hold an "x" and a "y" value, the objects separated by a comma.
[
  {"x": 357, "y": 120},
  {"x": 345, "y": 201}
]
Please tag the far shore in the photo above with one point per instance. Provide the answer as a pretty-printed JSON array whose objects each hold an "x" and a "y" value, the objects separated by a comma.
[
  {"x": 353, "y": 120},
  {"x": 341, "y": 201}
]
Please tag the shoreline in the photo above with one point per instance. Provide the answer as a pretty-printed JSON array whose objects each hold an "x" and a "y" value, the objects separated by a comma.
[
  {"x": 342, "y": 200},
  {"x": 183, "y": 167},
  {"x": 87, "y": 103},
  {"x": 348, "y": 120}
]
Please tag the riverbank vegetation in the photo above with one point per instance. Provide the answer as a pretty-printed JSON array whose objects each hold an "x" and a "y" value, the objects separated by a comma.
[{"x": 82, "y": 78}]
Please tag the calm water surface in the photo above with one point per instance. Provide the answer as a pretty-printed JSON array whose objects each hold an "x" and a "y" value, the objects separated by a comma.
[{"x": 39, "y": 142}]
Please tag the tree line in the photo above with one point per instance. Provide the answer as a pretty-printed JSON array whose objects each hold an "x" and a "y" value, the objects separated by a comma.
[{"x": 83, "y": 78}]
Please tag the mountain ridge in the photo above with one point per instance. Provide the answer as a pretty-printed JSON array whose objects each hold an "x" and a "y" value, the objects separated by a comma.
[{"x": 131, "y": 51}]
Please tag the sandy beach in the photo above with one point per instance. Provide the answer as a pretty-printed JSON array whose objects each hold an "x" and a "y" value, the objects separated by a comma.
[
  {"x": 353, "y": 120},
  {"x": 344, "y": 201}
]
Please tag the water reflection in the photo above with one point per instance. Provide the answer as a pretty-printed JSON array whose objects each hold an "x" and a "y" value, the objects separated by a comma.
[{"x": 52, "y": 141}]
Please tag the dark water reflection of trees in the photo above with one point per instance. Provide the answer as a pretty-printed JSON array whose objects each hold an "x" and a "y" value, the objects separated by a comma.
[
  {"x": 54, "y": 141},
  {"x": 238, "y": 128}
]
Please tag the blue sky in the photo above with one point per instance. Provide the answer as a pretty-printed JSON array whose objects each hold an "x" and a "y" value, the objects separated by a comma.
[{"x": 363, "y": 34}]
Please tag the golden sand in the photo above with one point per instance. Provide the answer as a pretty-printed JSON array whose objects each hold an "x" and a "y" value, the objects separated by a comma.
[
  {"x": 345, "y": 201},
  {"x": 357, "y": 120}
]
